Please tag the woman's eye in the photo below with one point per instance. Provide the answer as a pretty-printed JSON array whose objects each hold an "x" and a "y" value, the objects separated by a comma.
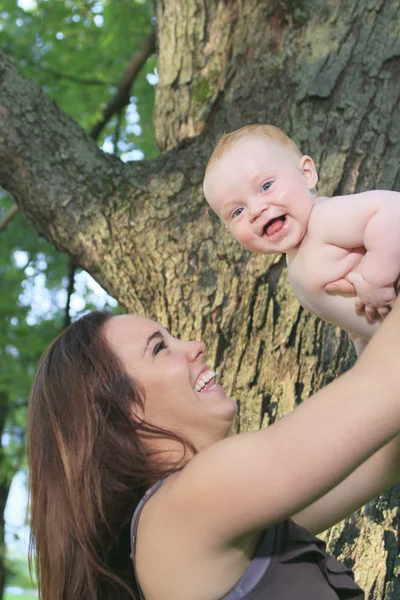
[
  {"x": 266, "y": 186},
  {"x": 237, "y": 212},
  {"x": 158, "y": 347}
]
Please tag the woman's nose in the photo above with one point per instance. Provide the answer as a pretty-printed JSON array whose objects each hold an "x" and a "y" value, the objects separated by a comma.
[{"x": 195, "y": 350}]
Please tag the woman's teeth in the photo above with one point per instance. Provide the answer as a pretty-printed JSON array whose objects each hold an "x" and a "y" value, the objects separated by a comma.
[{"x": 203, "y": 380}]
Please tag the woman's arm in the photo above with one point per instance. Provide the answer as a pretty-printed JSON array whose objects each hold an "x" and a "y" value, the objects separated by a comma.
[
  {"x": 248, "y": 482},
  {"x": 377, "y": 474}
]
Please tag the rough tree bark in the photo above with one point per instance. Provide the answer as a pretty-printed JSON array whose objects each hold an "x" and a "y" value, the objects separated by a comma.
[{"x": 328, "y": 72}]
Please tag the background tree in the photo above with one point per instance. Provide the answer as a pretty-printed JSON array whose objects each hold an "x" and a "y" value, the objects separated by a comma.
[{"x": 325, "y": 71}]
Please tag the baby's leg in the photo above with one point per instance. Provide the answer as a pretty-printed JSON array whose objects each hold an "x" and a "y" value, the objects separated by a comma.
[{"x": 359, "y": 343}]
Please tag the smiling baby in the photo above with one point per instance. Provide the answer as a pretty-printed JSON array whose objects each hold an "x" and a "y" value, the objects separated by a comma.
[{"x": 343, "y": 253}]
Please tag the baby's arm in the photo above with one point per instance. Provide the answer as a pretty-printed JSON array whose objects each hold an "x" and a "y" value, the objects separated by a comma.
[{"x": 371, "y": 219}]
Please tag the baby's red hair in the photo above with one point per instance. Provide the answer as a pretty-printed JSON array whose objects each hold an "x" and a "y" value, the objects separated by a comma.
[{"x": 274, "y": 134}]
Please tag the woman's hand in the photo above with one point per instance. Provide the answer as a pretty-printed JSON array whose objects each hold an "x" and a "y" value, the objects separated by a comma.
[
  {"x": 343, "y": 287},
  {"x": 374, "y": 303}
]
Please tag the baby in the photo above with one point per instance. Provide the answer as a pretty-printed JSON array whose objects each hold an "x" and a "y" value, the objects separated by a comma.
[{"x": 343, "y": 253}]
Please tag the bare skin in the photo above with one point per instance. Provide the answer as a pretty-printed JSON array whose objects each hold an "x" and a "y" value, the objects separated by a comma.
[
  {"x": 343, "y": 253},
  {"x": 339, "y": 449}
]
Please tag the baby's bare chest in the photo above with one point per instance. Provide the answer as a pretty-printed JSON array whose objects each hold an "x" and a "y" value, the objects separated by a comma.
[{"x": 317, "y": 264}]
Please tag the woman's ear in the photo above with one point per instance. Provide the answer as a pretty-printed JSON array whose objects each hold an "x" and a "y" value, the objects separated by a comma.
[{"x": 309, "y": 171}]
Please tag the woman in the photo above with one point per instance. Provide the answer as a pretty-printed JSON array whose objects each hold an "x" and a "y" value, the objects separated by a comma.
[{"x": 126, "y": 419}]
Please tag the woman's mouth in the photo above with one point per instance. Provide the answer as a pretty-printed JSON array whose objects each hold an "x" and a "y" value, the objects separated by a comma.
[{"x": 206, "y": 381}]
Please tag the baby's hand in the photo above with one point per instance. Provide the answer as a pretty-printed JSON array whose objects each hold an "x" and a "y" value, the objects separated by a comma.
[
  {"x": 376, "y": 302},
  {"x": 372, "y": 313}
]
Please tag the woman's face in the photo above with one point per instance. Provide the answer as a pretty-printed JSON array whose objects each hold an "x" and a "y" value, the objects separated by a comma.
[{"x": 180, "y": 390}]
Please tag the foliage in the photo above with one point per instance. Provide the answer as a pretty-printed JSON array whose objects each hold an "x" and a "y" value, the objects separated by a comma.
[
  {"x": 19, "y": 573},
  {"x": 76, "y": 52}
]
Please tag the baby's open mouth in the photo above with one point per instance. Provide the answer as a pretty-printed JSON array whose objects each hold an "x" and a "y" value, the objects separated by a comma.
[{"x": 274, "y": 225}]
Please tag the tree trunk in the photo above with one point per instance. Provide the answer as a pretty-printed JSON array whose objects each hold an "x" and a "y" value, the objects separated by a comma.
[{"x": 328, "y": 73}]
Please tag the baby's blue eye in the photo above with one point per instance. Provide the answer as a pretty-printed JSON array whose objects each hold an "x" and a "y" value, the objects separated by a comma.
[
  {"x": 266, "y": 186},
  {"x": 237, "y": 212}
]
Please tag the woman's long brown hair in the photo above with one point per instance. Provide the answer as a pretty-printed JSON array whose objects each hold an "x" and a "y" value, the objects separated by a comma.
[{"x": 88, "y": 466}]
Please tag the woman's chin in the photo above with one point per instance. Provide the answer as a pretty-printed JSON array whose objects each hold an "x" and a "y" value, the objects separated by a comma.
[{"x": 215, "y": 396}]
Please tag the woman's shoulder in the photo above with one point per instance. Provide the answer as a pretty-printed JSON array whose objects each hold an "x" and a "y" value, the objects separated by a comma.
[{"x": 172, "y": 553}]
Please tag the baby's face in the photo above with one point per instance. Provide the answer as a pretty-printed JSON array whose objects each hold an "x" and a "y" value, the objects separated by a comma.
[{"x": 263, "y": 193}]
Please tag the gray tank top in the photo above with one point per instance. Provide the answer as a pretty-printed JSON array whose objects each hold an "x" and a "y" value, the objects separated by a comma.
[{"x": 289, "y": 564}]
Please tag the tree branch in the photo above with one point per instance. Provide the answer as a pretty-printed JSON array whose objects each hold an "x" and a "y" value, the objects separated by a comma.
[
  {"x": 121, "y": 98},
  {"x": 66, "y": 76},
  {"x": 74, "y": 78},
  {"x": 88, "y": 203},
  {"x": 4, "y": 221},
  {"x": 117, "y": 133},
  {"x": 70, "y": 290}
]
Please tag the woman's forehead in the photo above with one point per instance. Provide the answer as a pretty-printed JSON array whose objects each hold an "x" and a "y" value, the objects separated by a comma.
[{"x": 121, "y": 329}]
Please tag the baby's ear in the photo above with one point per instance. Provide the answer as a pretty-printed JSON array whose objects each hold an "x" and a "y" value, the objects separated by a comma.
[{"x": 309, "y": 170}]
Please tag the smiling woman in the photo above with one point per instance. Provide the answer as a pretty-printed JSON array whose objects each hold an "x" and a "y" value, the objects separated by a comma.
[
  {"x": 170, "y": 370},
  {"x": 138, "y": 491},
  {"x": 88, "y": 465}
]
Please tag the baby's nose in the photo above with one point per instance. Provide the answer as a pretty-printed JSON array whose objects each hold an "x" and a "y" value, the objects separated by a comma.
[{"x": 256, "y": 209}]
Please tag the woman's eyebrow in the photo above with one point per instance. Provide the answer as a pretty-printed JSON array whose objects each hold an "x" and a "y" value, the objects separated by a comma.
[{"x": 153, "y": 336}]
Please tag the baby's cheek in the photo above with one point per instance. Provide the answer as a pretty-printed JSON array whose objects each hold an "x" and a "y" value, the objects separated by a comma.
[
  {"x": 238, "y": 235},
  {"x": 247, "y": 240}
]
